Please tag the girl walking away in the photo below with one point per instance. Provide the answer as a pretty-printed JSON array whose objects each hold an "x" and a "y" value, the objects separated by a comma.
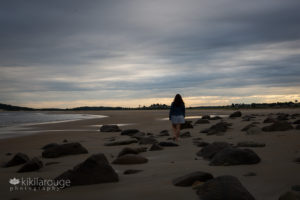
[{"x": 177, "y": 114}]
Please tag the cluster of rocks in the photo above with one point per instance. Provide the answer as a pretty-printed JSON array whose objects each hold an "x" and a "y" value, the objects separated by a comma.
[
  {"x": 218, "y": 188},
  {"x": 223, "y": 153}
]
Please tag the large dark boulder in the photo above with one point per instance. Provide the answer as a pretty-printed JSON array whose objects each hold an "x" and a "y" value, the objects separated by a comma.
[
  {"x": 278, "y": 126},
  {"x": 147, "y": 140},
  {"x": 223, "y": 188},
  {"x": 18, "y": 159},
  {"x": 236, "y": 114},
  {"x": 121, "y": 142},
  {"x": 130, "y": 159},
  {"x": 110, "y": 128},
  {"x": 129, "y": 132},
  {"x": 234, "y": 156},
  {"x": 186, "y": 125},
  {"x": 128, "y": 150},
  {"x": 32, "y": 165},
  {"x": 93, "y": 170},
  {"x": 189, "y": 179},
  {"x": 63, "y": 150},
  {"x": 209, "y": 151}
]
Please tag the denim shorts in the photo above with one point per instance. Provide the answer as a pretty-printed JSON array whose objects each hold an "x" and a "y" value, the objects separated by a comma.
[{"x": 177, "y": 119}]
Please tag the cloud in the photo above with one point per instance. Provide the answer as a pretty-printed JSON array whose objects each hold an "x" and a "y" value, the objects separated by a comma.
[{"x": 75, "y": 51}]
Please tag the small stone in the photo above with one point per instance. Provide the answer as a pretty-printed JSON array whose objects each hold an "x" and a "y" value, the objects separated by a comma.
[
  {"x": 253, "y": 131},
  {"x": 121, "y": 142},
  {"x": 185, "y": 135},
  {"x": 164, "y": 133},
  {"x": 202, "y": 121},
  {"x": 18, "y": 159},
  {"x": 110, "y": 128},
  {"x": 278, "y": 126},
  {"x": 250, "y": 144},
  {"x": 63, "y": 150},
  {"x": 236, "y": 114},
  {"x": 189, "y": 179},
  {"x": 250, "y": 174},
  {"x": 296, "y": 188},
  {"x": 155, "y": 147},
  {"x": 186, "y": 125},
  {"x": 147, "y": 140},
  {"x": 290, "y": 196},
  {"x": 50, "y": 145},
  {"x": 51, "y": 163},
  {"x": 168, "y": 144},
  {"x": 131, "y": 171},
  {"x": 32, "y": 165},
  {"x": 130, "y": 159},
  {"x": 129, "y": 132}
]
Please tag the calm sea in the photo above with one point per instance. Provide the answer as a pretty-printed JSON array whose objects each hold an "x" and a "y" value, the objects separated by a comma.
[{"x": 10, "y": 122}]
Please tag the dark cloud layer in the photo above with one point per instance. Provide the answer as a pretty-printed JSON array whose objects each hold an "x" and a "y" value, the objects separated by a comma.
[{"x": 155, "y": 47}]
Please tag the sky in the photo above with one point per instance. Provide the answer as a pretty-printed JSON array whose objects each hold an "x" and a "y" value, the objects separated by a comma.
[{"x": 70, "y": 53}]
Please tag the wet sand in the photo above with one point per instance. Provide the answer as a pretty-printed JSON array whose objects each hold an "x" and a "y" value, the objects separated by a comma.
[{"x": 276, "y": 172}]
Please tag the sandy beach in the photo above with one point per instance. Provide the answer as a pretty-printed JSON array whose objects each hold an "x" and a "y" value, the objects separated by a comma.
[{"x": 275, "y": 173}]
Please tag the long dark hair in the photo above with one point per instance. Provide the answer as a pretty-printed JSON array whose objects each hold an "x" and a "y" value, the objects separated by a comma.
[{"x": 178, "y": 100}]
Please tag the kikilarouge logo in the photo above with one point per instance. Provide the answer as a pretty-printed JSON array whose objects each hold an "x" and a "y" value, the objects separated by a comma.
[
  {"x": 14, "y": 181},
  {"x": 34, "y": 184}
]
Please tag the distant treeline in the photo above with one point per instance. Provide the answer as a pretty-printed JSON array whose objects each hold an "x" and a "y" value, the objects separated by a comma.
[{"x": 157, "y": 107}]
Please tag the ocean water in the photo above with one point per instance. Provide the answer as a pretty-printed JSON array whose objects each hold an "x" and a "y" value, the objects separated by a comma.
[
  {"x": 13, "y": 124},
  {"x": 25, "y": 117}
]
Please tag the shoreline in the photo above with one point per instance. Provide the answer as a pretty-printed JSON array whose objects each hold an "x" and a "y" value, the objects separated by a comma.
[{"x": 276, "y": 172}]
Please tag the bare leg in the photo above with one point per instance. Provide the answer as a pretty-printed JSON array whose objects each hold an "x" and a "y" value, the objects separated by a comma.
[
  {"x": 177, "y": 131},
  {"x": 174, "y": 130}
]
